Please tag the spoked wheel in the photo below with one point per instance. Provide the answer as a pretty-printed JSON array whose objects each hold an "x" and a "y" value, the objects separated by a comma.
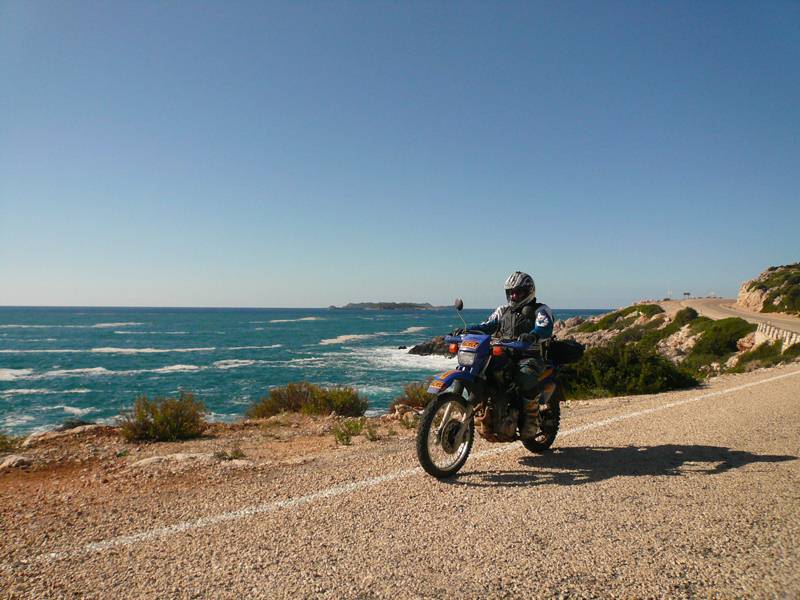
[
  {"x": 548, "y": 430},
  {"x": 440, "y": 449}
]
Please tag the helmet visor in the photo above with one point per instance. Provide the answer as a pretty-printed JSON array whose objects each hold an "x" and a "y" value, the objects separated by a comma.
[{"x": 518, "y": 293}]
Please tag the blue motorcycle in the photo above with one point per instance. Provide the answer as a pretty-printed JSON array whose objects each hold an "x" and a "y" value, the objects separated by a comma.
[{"x": 480, "y": 393}]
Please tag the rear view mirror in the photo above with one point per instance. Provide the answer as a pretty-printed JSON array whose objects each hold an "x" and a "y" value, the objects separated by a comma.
[{"x": 459, "y": 304}]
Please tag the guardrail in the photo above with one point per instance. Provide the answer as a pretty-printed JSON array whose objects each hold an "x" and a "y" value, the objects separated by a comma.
[{"x": 766, "y": 332}]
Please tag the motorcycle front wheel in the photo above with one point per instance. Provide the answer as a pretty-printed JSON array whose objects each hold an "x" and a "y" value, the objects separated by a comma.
[{"x": 440, "y": 451}]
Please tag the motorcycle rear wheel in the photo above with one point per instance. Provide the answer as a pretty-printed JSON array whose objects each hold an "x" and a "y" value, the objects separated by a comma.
[
  {"x": 546, "y": 435},
  {"x": 437, "y": 451}
]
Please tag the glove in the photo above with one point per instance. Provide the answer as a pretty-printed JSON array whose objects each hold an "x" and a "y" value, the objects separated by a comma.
[
  {"x": 457, "y": 332},
  {"x": 528, "y": 338}
]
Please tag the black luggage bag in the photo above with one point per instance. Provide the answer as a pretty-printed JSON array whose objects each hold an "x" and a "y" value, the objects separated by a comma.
[{"x": 564, "y": 352}]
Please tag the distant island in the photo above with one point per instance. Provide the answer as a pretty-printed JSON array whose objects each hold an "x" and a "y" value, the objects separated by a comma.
[{"x": 385, "y": 306}]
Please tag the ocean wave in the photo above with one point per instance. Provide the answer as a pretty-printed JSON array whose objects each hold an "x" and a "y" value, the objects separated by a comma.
[
  {"x": 254, "y": 347},
  {"x": 291, "y": 320},
  {"x": 374, "y": 389},
  {"x": 95, "y": 326},
  {"x": 113, "y": 350},
  {"x": 72, "y": 410},
  {"x": 41, "y": 391},
  {"x": 151, "y": 332},
  {"x": 105, "y": 350},
  {"x": 147, "y": 350},
  {"x": 233, "y": 363},
  {"x": 172, "y": 369},
  {"x": 414, "y": 329},
  {"x": 90, "y": 371},
  {"x": 351, "y": 337},
  {"x": 12, "y": 374},
  {"x": 392, "y": 358},
  {"x": 16, "y": 420},
  {"x": 41, "y": 351}
]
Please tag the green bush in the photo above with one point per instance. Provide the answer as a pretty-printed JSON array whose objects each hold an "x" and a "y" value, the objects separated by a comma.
[
  {"x": 163, "y": 419},
  {"x": 618, "y": 319},
  {"x": 345, "y": 430},
  {"x": 763, "y": 355},
  {"x": 791, "y": 352},
  {"x": 716, "y": 342},
  {"x": 782, "y": 285},
  {"x": 309, "y": 399},
  {"x": 414, "y": 395},
  {"x": 649, "y": 339},
  {"x": 621, "y": 369},
  {"x": 8, "y": 443}
]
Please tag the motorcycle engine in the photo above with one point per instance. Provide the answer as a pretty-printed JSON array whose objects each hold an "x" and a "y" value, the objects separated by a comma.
[{"x": 498, "y": 423}]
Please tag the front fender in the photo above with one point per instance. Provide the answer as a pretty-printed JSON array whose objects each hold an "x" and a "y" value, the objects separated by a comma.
[{"x": 444, "y": 380}]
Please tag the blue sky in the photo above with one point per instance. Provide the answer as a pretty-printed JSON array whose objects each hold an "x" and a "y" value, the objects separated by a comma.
[{"x": 314, "y": 153}]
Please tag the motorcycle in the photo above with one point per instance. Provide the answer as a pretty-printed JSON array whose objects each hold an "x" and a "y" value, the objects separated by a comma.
[{"x": 481, "y": 394}]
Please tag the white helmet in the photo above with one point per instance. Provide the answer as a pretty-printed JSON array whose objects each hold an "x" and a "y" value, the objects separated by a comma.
[{"x": 520, "y": 289}]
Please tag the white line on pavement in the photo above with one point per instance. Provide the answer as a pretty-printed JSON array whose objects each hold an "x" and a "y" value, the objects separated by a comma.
[{"x": 346, "y": 488}]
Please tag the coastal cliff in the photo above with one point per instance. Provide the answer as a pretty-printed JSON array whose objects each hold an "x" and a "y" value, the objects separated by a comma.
[{"x": 776, "y": 289}]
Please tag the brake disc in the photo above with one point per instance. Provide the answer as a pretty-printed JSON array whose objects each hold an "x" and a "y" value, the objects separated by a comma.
[{"x": 450, "y": 442}]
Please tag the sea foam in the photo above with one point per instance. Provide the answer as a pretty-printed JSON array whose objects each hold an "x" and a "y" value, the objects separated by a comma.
[
  {"x": 12, "y": 374},
  {"x": 41, "y": 391},
  {"x": 292, "y": 320},
  {"x": 351, "y": 337}
]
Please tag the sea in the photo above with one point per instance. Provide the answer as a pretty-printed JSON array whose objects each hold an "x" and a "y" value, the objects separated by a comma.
[{"x": 92, "y": 363}]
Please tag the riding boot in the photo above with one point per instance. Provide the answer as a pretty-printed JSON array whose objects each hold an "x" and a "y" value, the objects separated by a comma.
[
  {"x": 530, "y": 425},
  {"x": 544, "y": 397}
]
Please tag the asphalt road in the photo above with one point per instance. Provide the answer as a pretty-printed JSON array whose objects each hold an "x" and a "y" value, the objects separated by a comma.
[
  {"x": 721, "y": 308},
  {"x": 682, "y": 494}
]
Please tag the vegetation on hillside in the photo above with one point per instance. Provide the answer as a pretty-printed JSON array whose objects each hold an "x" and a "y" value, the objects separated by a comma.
[
  {"x": 309, "y": 399},
  {"x": 621, "y": 318},
  {"x": 717, "y": 341},
  {"x": 163, "y": 419},
  {"x": 8, "y": 443},
  {"x": 782, "y": 288},
  {"x": 621, "y": 369}
]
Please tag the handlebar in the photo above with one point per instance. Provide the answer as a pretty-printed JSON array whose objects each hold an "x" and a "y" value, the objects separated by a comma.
[{"x": 511, "y": 344}]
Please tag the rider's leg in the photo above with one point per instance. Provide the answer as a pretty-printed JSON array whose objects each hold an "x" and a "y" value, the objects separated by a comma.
[{"x": 527, "y": 381}]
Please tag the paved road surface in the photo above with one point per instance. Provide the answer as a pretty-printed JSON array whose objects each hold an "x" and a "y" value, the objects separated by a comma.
[
  {"x": 721, "y": 308},
  {"x": 689, "y": 493}
]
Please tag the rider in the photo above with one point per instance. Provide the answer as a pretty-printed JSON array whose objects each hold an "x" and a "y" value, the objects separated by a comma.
[{"x": 533, "y": 327}]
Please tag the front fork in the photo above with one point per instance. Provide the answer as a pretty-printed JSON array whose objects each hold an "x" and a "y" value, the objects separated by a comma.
[{"x": 458, "y": 388}]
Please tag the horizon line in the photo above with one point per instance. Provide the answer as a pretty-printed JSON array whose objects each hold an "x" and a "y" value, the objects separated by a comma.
[{"x": 257, "y": 307}]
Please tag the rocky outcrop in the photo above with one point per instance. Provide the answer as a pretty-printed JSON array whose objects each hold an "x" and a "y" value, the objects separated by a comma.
[
  {"x": 36, "y": 438},
  {"x": 436, "y": 345},
  {"x": 751, "y": 297},
  {"x": 180, "y": 457},
  {"x": 775, "y": 290},
  {"x": 15, "y": 461},
  {"x": 746, "y": 343},
  {"x": 676, "y": 346}
]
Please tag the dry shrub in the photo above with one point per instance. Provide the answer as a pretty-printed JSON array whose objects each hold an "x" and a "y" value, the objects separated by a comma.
[
  {"x": 8, "y": 443},
  {"x": 163, "y": 419},
  {"x": 309, "y": 399},
  {"x": 414, "y": 395}
]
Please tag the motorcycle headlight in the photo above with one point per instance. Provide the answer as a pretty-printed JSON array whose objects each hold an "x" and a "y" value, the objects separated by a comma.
[{"x": 466, "y": 359}]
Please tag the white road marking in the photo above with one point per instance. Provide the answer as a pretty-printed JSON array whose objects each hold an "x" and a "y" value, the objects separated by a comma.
[{"x": 346, "y": 488}]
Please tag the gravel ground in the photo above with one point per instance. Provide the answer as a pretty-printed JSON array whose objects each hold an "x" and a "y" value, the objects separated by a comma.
[{"x": 701, "y": 498}]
